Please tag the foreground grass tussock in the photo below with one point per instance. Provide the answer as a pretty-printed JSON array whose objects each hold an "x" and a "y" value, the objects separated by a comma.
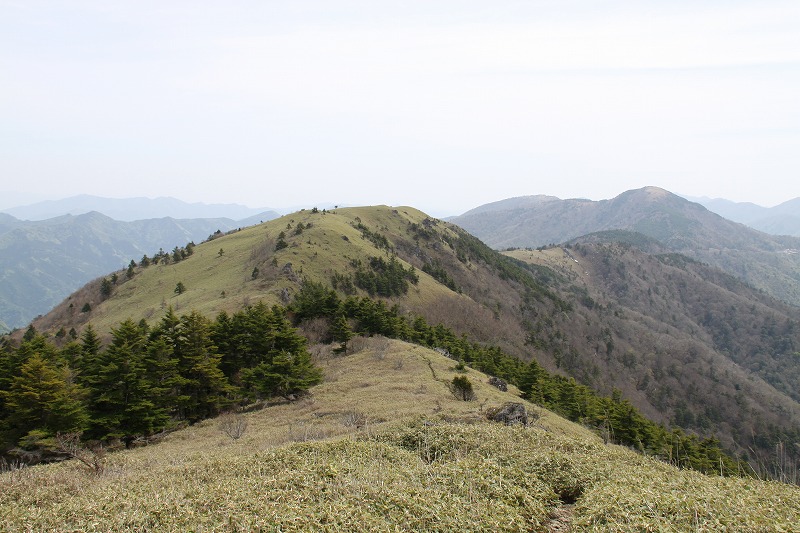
[{"x": 415, "y": 459}]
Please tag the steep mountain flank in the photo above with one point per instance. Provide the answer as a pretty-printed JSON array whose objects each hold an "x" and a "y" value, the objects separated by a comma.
[
  {"x": 685, "y": 339},
  {"x": 767, "y": 262}
]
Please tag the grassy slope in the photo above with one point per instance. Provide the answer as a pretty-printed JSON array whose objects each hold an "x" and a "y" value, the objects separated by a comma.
[
  {"x": 224, "y": 282},
  {"x": 303, "y": 466}
]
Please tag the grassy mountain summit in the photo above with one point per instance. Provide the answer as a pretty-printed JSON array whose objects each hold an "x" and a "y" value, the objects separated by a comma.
[
  {"x": 248, "y": 265},
  {"x": 768, "y": 262},
  {"x": 383, "y": 445}
]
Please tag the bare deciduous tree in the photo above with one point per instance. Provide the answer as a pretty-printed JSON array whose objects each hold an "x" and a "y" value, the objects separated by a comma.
[{"x": 233, "y": 425}]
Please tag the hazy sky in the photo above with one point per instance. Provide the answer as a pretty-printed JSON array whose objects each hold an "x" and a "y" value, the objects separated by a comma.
[{"x": 443, "y": 105}]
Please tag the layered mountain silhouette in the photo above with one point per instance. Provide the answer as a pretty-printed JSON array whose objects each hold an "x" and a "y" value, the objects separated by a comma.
[
  {"x": 768, "y": 262},
  {"x": 783, "y": 219},
  {"x": 130, "y": 209}
]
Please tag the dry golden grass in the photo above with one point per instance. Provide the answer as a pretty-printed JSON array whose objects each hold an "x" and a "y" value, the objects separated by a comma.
[
  {"x": 383, "y": 445},
  {"x": 555, "y": 258}
]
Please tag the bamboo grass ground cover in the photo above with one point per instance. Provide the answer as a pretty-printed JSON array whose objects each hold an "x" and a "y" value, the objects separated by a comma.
[{"x": 434, "y": 466}]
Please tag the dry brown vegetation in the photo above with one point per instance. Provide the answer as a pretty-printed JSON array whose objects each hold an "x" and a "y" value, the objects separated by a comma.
[{"x": 383, "y": 446}]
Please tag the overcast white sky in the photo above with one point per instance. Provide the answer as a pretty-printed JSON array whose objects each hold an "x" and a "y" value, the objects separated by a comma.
[{"x": 443, "y": 105}]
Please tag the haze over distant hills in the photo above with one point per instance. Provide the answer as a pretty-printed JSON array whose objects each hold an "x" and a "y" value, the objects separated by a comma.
[
  {"x": 783, "y": 219},
  {"x": 129, "y": 209},
  {"x": 768, "y": 262}
]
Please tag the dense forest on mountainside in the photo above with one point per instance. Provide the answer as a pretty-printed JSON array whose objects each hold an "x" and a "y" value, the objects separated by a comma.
[{"x": 652, "y": 347}]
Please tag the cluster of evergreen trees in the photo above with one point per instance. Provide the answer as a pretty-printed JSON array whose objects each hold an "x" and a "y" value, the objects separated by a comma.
[
  {"x": 378, "y": 239},
  {"x": 613, "y": 417},
  {"x": 183, "y": 369},
  {"x": 178, "y": 254},
  {"x": 378, "y": 277},
  {"x": 440, "y": 274},
  {"x": 383, "y": 278}
]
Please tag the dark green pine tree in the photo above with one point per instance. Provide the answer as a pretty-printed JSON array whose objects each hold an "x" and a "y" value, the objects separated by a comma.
[
  {"x": 89, "y": 362},
  {"x": 42, "y": 401},
  {"x": 531, "y": 382},
  {"x": 244, "y": 339},
  {"x": 284, "y": 366},
  {"x": 106, "y": 288},
  {"x": 122, "y": 401},
  {"x": 286, "y": 375},
  {"x": 12, "y": 359},
  {"x": 284, "y": 337},
  {"x": 72, "y": 354},
  {"x": 314, "y": 300},
  {"x": 162, "y": 374},
  {"x": 281, "y": 242},
  {"x": 9, "y": 367},
  {"x": 341, "y": 332},
  {"x": 223, "y": 337},
  {"x": 203, "y": 390}
]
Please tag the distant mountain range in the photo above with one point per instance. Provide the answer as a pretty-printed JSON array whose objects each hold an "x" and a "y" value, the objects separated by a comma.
[
  {"x": 768, "y": 262},
  {"x": 42, "y": 262},
  {"x": 129, "y": 209},
  {"x": 783, "y": 219}
]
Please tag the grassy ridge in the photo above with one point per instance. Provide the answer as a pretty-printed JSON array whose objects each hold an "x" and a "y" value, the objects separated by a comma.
[
  {"x": 306, "y": 466},
  {"x": 216, "y": 281}
]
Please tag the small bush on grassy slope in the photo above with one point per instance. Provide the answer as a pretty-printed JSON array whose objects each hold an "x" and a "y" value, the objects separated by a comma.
[{"x": 462, "y": 389}]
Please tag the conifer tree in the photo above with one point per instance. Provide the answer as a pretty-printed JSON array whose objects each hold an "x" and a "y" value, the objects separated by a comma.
[
  {"x": 340, "y": 332},
  {"x": 314, "y": 300},
  {"x": 106, "y": 288},
  {"x": 279, "y": 362},
  {"x": 285, "y": 375},
  {"x": 89, "y": 362},
  {"x": 71, "y": 354},
  {"x": 90, "y": 342},
  {"x": 42, "y": 401},
  {"x": 9, "y": 365},
  {"x": 162, "y": 374},
  {"x": 122, "y": 395},
  {"x": 203, "y": 388}
]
